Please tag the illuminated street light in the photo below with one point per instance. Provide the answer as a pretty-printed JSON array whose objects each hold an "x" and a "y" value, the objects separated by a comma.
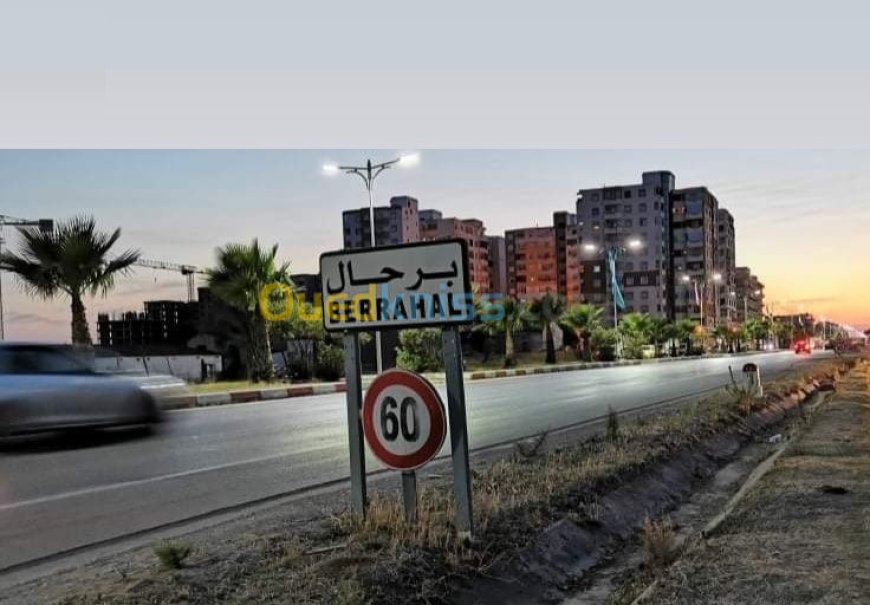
[
  {"x": 368, "y": 174},
  {"x": 614, "y": 252}
]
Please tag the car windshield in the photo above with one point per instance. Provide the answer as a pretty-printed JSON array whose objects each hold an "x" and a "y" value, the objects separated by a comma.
[{"x": 41, "y": 360}]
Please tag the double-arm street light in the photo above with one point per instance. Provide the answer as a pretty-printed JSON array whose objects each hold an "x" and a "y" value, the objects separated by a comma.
[
  {"x": 701, "y": 285},
  {"x": 368, "y": 173},
  {"x": 612, "y": 254}
]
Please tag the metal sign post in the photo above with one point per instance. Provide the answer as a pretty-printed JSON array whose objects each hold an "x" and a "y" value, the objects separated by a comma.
[
  {"x": 354, "y": 424},
  {"x": 452, "y": 348},
  {"x": 403, "y": 418}
]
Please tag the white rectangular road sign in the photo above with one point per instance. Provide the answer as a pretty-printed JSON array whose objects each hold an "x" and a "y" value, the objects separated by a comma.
[{"x": 413, "y": 285}]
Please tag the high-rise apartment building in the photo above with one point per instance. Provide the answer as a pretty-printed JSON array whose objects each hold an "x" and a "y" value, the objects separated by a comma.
[
  {"x": 693, "y": 254},
  {"x": 395, "y": 224},
  {"x": 545, "y": 259},
  {"x": 725, "y": 266},
  {"x": 497, "y": 265},
  {"x": 433, "y": 226},
  {"x": 633, "y": 219},
  {"x": 748, "y": 295}
]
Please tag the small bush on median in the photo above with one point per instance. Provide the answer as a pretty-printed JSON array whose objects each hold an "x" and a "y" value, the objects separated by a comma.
[
  {"x": 659, "y": 543},
  {"x": 330, "y": 362},
  {"x": 420, "y": 350},
  {"x": 172, "y": 555}
]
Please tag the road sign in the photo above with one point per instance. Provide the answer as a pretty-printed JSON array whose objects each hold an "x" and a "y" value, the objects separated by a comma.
[
  {"x": 413, "y": 285},
  {"x": 404, "y": 421}
]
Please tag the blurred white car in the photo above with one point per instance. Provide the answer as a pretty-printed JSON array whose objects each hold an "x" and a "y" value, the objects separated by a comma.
[{"x": 51, "y": 387}]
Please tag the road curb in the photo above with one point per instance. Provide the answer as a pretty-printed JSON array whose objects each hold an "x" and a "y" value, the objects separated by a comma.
[{"x": 179, "y": 402}]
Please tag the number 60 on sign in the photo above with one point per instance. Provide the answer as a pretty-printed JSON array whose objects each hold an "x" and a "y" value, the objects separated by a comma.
[{"x": 403, "y": 420}]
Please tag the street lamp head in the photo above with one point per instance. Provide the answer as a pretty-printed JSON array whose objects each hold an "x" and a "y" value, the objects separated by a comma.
[
  {"x": 590, "y": 247},
  {"x": 686, "y": 278},
  {"x": 330, "y": 169},
  {"x": 634, "y": 243},
  {"x": 717, "y": 277},
  {"x": 408, "y": 160}
]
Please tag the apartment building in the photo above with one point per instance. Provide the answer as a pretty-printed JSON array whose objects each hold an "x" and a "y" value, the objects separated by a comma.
[
  {"x": 433, "y": 226},
  {"x": 725, "y": 266},
  {"x": 398, "y": 223},
  {"x": 635, "y": 220},
  {"x": 545, "y": 259},
  {"x": 748, "y": 295},
  {"x": 497, "y": 265},
  {"x": 694, "y": 212}
]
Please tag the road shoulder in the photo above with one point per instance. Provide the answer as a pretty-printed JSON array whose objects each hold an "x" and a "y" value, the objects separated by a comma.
[{"x": 801, "y": 534}]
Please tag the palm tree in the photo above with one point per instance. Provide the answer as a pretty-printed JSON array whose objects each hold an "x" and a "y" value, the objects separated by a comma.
[
  {"x": 71, "y": 260},
  {"x": 241, "y": 273},
  {"x": 685, "y": 329},
  {"x": 582, "y": 319},
  {"x": 660, "y": 331},
  {"x": 756, "y": 330},
  {"x": 635, "y": 328},
  {"x": 545, "y": 311},
  {"x": 515, "y": 317},
  {"x": 722, "y": 334}
]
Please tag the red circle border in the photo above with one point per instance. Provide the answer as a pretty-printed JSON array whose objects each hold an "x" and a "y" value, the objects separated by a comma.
[{"x": 437, "y": 418}]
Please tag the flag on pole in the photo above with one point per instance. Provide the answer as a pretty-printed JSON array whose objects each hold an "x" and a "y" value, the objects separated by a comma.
[
  {"x": 697, "y": 294},
  {"x": 616, "y": 291}
]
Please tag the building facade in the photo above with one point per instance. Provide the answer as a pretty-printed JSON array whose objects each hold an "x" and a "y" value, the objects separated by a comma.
[
  {"x": 694, "y": 213},
  {"x": 165, "y": 324},
  {"x": 726, "y": 265},
  {"x": 433, "y": 226},
  {"x": 617, "y": 217},
  {"x": 497, "y": 265},
  {"x": 748, "y": 295},
  {"x": 545, "y": 259},
  {"x": 398, "y": 223}
]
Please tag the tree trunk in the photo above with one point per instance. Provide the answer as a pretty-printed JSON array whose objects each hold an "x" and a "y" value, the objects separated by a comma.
[
  {"x": 508, "y": 348},
  {"x": 260, "y": 351},
  {"x": 81, "y": 334},
  {"x": 551, "y": 347},
  {"x": 587, "y": 346}
]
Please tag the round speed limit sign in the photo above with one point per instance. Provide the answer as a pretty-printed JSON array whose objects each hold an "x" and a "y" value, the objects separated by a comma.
[{"x": 403, "y": 420}]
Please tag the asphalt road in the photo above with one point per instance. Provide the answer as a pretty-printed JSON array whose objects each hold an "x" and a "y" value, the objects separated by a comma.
[{"x": 58, "y": 497}]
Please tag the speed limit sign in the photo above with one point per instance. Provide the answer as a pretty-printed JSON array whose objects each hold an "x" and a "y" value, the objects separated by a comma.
[{"x": 404, "y": 421}]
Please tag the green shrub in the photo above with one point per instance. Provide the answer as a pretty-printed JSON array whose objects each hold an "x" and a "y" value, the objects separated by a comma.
[
  {"x": 329, "y": 364},
  {"x": 603, "y": 343},
  {"x": 172, "y": 554},
  {"x": 420, "y": 350}
]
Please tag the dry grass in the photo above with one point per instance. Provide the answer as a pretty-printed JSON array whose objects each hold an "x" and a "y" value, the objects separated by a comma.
[
  {"x": 383, "y": 559},
  {"x": 659, "y": 543},
  {"x": 800, "y": 535}
]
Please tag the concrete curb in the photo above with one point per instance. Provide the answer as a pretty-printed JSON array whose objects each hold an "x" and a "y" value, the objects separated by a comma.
[
  {"x": 307, "y": 390},
  {"x": 579, "y": 366}
]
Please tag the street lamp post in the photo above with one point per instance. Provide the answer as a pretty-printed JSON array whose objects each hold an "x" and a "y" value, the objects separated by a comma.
[
  {"x": 368, "y": 174},
  {"x": 700, "y": 285},
  {"x": 614, "y": 252}
]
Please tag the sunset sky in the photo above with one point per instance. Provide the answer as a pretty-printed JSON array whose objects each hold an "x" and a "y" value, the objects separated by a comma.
[{"x": 802, "y": 217}]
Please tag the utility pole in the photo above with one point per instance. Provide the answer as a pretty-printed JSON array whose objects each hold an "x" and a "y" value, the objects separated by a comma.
[{"x": 46, "y": 225}]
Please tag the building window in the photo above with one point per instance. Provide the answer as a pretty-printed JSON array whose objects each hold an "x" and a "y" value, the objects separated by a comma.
[
  {"x": 641, "y": 192},
  {"x": 642, "y": 222},
  {"x": 644, "y": 295},
  {"x": 627, "y": 222},
  {"x": 644, "y": 266},
  {"x": 641, "y": 208},
  {"x": 596, "y": 211},
  {"x": 644, "y": 309},
  {"x": 629, "y": 266},
  {"x": 627, "y": 194},
  {"x": 627, "y": 208},
  {"x": 595, "y": 197},
  {"x": 597, "y": 269}
]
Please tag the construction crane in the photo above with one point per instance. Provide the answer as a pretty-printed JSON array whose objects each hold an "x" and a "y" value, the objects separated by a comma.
[
  {"x": 46, "y": 225},
  {"x": 186, "y": 270}
]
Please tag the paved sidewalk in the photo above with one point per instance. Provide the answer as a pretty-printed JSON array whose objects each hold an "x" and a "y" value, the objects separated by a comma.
[
  {"x": 802, "y": 533},
  {"x": 195, "y": 400}
]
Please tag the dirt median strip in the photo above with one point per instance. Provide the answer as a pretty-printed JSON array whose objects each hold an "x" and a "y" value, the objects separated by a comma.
[{"x": 801, "y": 533}]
